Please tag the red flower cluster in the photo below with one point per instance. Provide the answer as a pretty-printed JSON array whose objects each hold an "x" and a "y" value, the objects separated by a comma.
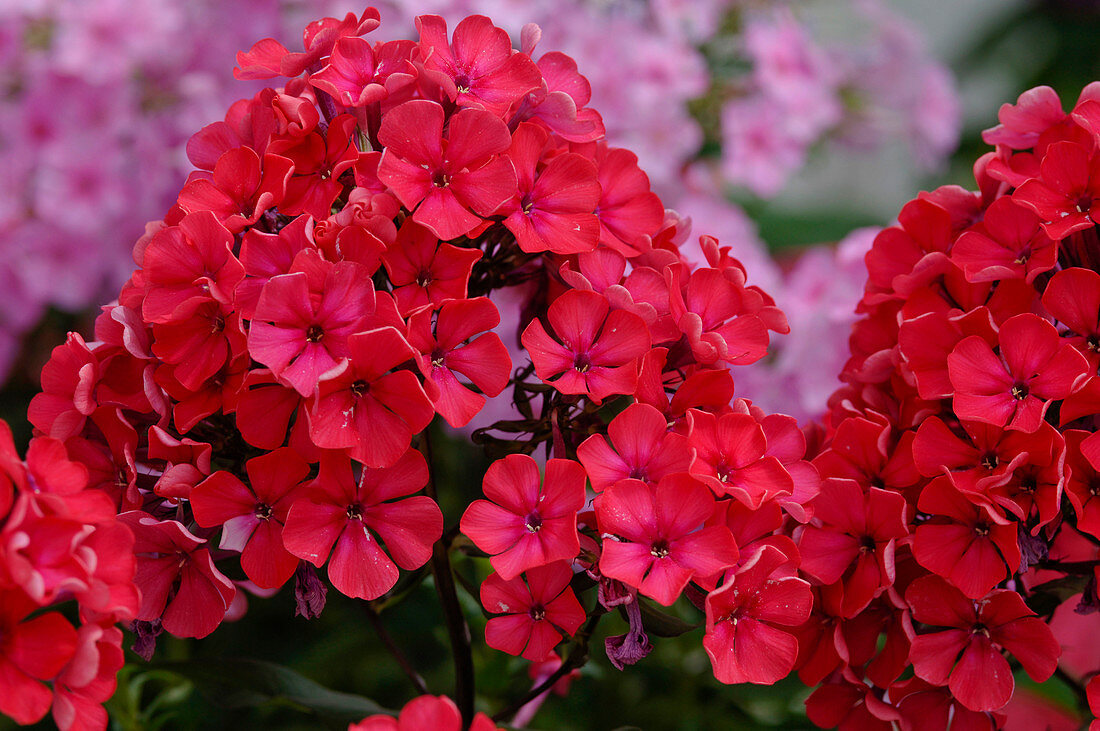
[
  {"x": 60, "y": 541},
  {"x": 960, "y": 469}
]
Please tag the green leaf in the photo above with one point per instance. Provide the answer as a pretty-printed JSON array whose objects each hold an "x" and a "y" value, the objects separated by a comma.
[
  {"x": 1048, "y": 596},
  {"x": 661, "y": 624},
  {"x": 249, "y": 683}
]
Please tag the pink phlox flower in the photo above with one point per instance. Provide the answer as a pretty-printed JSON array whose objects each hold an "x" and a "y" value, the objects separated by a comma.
[
  {"x": 598, "y": 349},
  {"x": 730, "y": 458},
  {"x": 654, "y": 537},
  {"x": 268, "y": 58},
  {"x": 534, "y": 613},
  {"x": 265, "y": 255},
  {"x": 240, "y": 189},
  {"x": 358, "y": 74},
  {"x": 526, "y": 523},
  {"x": 347, "y": 517},
  {"x": 641, "y": 448},
  {"x": 713, "y": 313},
  {"x": 447, "y": 346},
  {"x": 424, "y": 271}
]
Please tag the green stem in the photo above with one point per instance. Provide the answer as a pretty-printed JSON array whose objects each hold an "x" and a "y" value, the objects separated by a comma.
[
  {"x": 395, "y": 650},
  {"x": 457, "y": 628}
]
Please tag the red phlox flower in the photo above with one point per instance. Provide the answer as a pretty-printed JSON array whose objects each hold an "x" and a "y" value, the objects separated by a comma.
[
  {"x": 1007, "y": 244},
  {"x": 31, "y": 650},
  {"x": 598, "y": 349},
  {"x": 654, "y": 537},
  {"x": 1035, "y": 112},
  {"x": 1083, "y": 478},
  {"x": 871, "y": 453},
  {"x": 629, "y": 212},
  {"x": 1066, "y": 195},
  {"x": 424, "y": 271},
  {"x": 553, "y": 209},
  {"x": 360, "y": 405},
  {"x": 347, "y": 517},
  {"x": 478, "y": 68},
  {"x": 268, "y": 58},
  {"x": 1013, "y": 389},
  {"x": 248, "y": 123},
  {"x": 979, "y": 631},
  {"x": 201, "y": 337},
  {"x": 848, "y": 704},
  {"x": 926, "y": 707},
  {"x": 1032, "y": 492},
  {"x": 89, "y": 679},
  {"x": 190, "y": 261},
  {"x": 304, "y": 318},
  {"x": 438, "y": 713},
  {"x": 787, "y": 443},
  {"x": 730, "y": 458},
  {"x": 743, "y": 637},
  {"x": 525, "y": 524},
  {"x": 970, "y": 546},
  {"x": 265, "y": 255},
  {"x": 252, "y": 517},
  {"x": 42, "y": 548},
  {"x": 217, "y": 393},
  {"x": 358, "y": 74},
  {"x": 68, "y": 394},
  {"x": 536, "y": 610},
  {"x": 853, "y": 537},
  {"x": 561, "y": 107},
  {"x": 711, "y": 313},
  {"x": 1073, "y": 297},
  {"x": 178, "y": 580},
  {"x": 318, "y": 160},
  {"x": 184, "y": 463},
  {"x": 900, "y": 253},
  {"x": 240, "y": 189},
  {"x": 445, "y": 352},
  {"x": 641, "y": 448},
  {"x": 704, "y": 390},
  {"x": 264, "y": 411},
  {"x": 925, "y": 342},
  {"x": 443, "y": 179}
]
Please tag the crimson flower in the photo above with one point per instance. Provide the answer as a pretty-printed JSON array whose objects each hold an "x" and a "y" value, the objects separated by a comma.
[
  {"x": 1066, "y": 195},
  {"x": 1073, "y": 297},
  {"x": 527, "y": 524},
  {"x": 1007, "y": 244},
  {"x": 1034, "y": 368},
  {"x": 535, "y": 613},
  {"x": 971, "y": 546},
  {"x": 303, "y": 319},
  {"x": 730, "y": 458},
  {"x": 179, "y": 583},
  {"x": 967, "y": 657},
  {"x": 438, "y": 713},
  {"x": 442, "y": 179},
  {"x": 598, "y": 349},
  {"x": 424, "y": 271},
  {"x": 553, "y": 209},
  {"x": 360, "y": 406},
  {"x": 31, "y": 651},
  {"x": 240, "y": 188},
  {"x": 743, "y": 639},
  {"x": 654, "y": 535},
  {"x": 478, "y": 67},
  {"x": 642, "y": 448},
  {"x": 347, "y": 517},
  {"x": 358, "y": 74},
  {"x": 252, "y": 516},
  {"x": 853, "y": 536}
]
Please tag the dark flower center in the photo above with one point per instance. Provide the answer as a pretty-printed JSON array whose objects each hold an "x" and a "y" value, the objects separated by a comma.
[
  {"x": 314, "y": 334},
  {"x": 867, "y": 544},
  {"x": 1019, "y": 391},
  {"x": 355, "y": 512},
  {"x": 532, "y": 522},
  {"x": 537, "y": 612},
  {"x": 424, "y": 278},
  {"x": 440, "y": 179},
  {"x": 360, "y": 388},
  {"x": 990, "y": 461},
  {"x": 462, "y": 84},
  {"x": 264, "y": 511},
  {"x": 659, "y": 549},
  {"x": 582, "y": 363}
]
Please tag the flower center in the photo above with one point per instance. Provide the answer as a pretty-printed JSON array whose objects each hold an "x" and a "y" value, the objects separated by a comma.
[
  {"x": 659, "y": 549},
  {"x": 981, "y": 529},
  {"x": 866, "y": 544},
  {"x": 360, "y": 388},
  {"x": 438, "y": 356},
  {"x": 990, "y": 461},
  {"x": 1019, "y": 391},
  {"x": 1084, "y": 203},
  {"x": 355, "y": 512},
  {"x": 314, "y": 334},
  {"x": 264, "y": 511},
  {"x": 462, "y": 84},
  {"x": 424, "y": 278},
  {"x": 582, "y": 363},
  {"x": 533, "y": 522},
  {"x": 440, "y": 179},
  {"x": 537, "y": 612}
]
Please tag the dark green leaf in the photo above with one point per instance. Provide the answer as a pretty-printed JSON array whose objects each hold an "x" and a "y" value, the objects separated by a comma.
[
  {"x": 661, "y": 624},
  {"x": 1048, "y": 596}
]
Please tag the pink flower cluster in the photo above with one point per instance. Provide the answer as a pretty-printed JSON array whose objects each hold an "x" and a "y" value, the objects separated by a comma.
[{"x": 960, "y": 476}]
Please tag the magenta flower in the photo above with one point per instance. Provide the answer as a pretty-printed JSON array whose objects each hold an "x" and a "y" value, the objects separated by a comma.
[
  {"x": 446, "y": 181},
  {"x": 1066, "y": 195},
  {"x": 654, "y": 537},
  {"x": 525, "y": 524},
  {"x": 358, "y": 74},
  {"x": 598, "y": 349},
  {"x": 346, "y": 518},
  {"x": 536, "y": 613},
  {"x": 360, "y": 406},
  {"x": 252, "y": 517},
  {"x": 303, "y": 319},
  {"x": 424, "y": 271},
  {"x": 642, "y": 448},
  {"x": 743, "y": 636}
]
